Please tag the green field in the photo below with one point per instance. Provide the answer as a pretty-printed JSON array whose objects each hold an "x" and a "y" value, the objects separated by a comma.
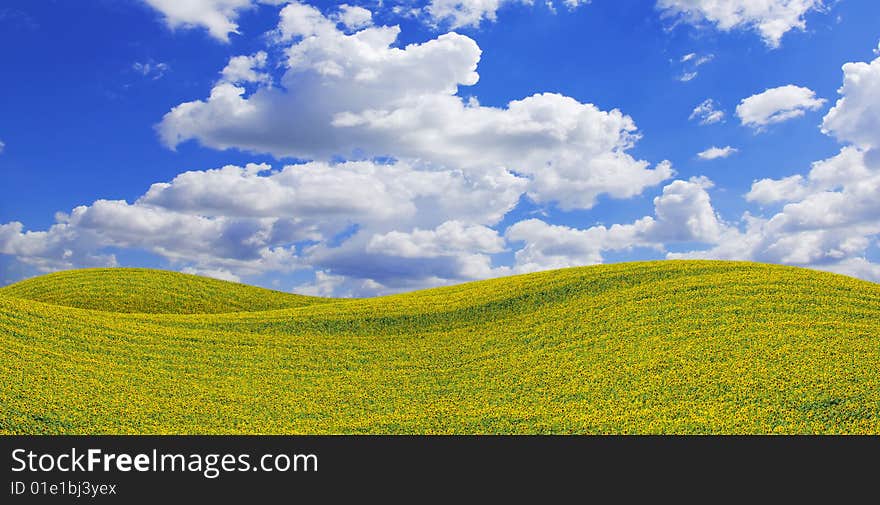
[{"x": 655, "y": 347}]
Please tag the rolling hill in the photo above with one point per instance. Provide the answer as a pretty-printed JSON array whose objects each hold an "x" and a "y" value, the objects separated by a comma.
[
  {"x": 150, "y": 291},
  {"x": 653, "y": 347}
]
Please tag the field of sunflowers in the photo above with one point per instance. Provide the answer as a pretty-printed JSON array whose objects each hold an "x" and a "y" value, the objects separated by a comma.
[{"x": 651, "y": 347}]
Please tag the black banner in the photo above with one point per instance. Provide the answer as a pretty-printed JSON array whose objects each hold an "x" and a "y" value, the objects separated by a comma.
[{"x": 231, "y": 469}]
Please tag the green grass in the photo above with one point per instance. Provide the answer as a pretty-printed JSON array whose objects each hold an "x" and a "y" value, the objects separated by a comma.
[{"x": 655, "y": 347}]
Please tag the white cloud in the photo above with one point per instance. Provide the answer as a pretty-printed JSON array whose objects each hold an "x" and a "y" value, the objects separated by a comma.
[
  {"x": 450, "y": 238},
  {"x": 549, "y": 246},
  {"x": 702, "y": 60},
  {"x": 707, "y": 112},
  {"x": 777, "y": 105},
  {"x": 2, "y": 146},
  {"x": 356, "y": 95},
  {"x": 690, "y": 63},
  {"x": 364, "y": 227},
  {"x": 825, "y": 175},
  {"x": 413, "y": 227},
  {"x": 573, "y": 4},
  {"x": 771, "y": 18},
  {"x": 326, "y": 198},
  {"x": 828, "y": 220},
  {"x": 217, "y": 16},
  {"x": 210, "y": 242},
  {"x": 767, "y": 191},
  {"x": 302, "y": 20},
  {"x": 245, "y": 69},
  {"x": 462, "y": 13},
  {"x": 714, "y": 153},
  {"x": 354, "y": 17},
  {"x": 856, "y": 267},
  {"x": 855, "y": 117},
  {"x": 828, "y": 217},
  {"x": 151, "y": 69},
  {"x": 840, "y": 171},
  {"x": 219, "y": 273},
  {"x": 392, "y": 265},
  {"x": 459, "y": 13},
  {"x": 683, "y": 213},
  {"x": 54, "y": 249},
  {"x": 428, "y": 217},
  {"x": 325, "y": 285}
]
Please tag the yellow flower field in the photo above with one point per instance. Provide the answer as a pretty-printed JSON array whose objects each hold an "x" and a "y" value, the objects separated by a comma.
[{"x": 653, "y": 347}]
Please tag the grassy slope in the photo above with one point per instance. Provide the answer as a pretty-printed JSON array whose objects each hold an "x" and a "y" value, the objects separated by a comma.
[
  {"x": 684, "y": 347},
  {"x": 150, "y": 291}
]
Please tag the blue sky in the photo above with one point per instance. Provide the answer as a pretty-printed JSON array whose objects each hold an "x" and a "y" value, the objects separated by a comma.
[{"x": 406, "y": 171}]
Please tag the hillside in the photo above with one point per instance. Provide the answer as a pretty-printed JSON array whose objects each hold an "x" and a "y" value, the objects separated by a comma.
[
  {"x": 654, "y": 347},
  {"x": 150, "y": 291}
]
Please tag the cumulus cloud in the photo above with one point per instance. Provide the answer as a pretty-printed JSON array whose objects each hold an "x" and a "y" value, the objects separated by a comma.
[
  {"x": 768, "y": 191},
  {"x": 826, "y": 175},
  {"x": 707, "y": 112},
  {"x": 397, "y": 260},
  {"x": 427, "y": 217},
  {"x": 325, "y": 285},
  {"x": 855, "y": 118},
  {"x": 368, "y": 270},
  {"x": 2, "y": 146},
  {"x": 55, "y": 249},
  {"x": 410, "y": 227},
  {"x": 217, "y": 16},
  {"x": 828, "y": 219},
  {"x": 772, "y": 19},
  {"x": 335, "y": 195},
  {"x": 431, "y": 214},
  {"x": 856, "y": 267},
  {"x": 356, "y": 94},
  {"x": 450, "y": 238},
  {"x": 548, "y": 246},
  {"x": 682, "y": 213},
  {"x": 364, "y": 228},
  {"x": 354, "y": 17},
  {"x": 777, "y": 105},
  {"x": 246, "y": 69},
  {"x": 714, "y": 153}
]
